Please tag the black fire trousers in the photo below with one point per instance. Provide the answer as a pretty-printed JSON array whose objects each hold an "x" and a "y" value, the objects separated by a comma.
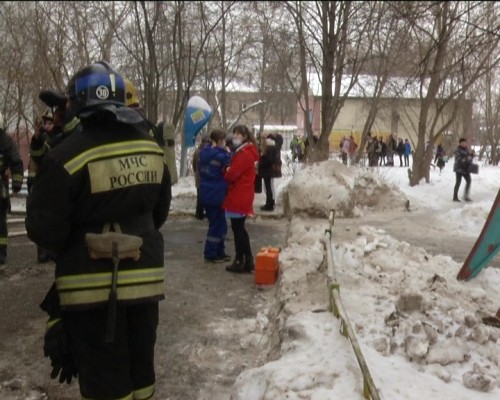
[{"x": 124, "y": 367}]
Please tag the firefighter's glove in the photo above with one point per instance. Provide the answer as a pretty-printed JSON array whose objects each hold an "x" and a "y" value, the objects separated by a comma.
[{"x": 56, "y": 347}]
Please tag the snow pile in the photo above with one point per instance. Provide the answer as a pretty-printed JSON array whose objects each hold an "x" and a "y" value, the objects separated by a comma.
[
  {"x": 318, "y": 188},
  {"x": 469, "y": 220},
  {"x": 302, "y": 327},
  {"x": 420, "y": 330},
  {"x": 431, "y": 319},
  {"x": 403, "y": 312},
  {"x": 183, "y": 196}
]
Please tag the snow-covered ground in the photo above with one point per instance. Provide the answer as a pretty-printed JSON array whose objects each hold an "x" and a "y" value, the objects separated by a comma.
[{"x": 420, "y": 329}]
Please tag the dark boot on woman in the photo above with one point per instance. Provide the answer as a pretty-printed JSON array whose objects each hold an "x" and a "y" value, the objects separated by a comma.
[
  {"x": 249, "y": 265},
  {"x": 269, "y": 206},
  {"x": 238, "y": 266}
]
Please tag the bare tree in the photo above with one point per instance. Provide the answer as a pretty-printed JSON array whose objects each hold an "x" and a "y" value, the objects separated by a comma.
[
  {"x": 336, "y": 56},
  {"x": 455, "y": 41},
  {"x": 487, "y": 93},
  {"x": 172, "y": 50},
  {"x": 383, "y": 62},
  {"x": 15, "y": 70},
  {"x": 224, "y": 55},
  {"x": 273, "y": 58}
]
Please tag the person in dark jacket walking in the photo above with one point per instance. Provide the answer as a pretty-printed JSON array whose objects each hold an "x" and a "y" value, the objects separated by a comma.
[
  {"x": 55, "y": 125},
  {"x": 58, "y": 124},
  {"x": 9, "y": 161},
  {"x": 371, "y": 150},
  {"x": 97, "y": 204},
  {"x": 240, "y": 176},
  {"x": 213, "y": 161},
  {"x": 463, "y": 160},
  {"x": 132, "y": 101},
  {"x": 440, "y": 153}
]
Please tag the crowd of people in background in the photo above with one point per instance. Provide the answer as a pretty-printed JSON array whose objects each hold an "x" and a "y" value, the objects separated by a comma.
[{"x": 381, "y": 152}]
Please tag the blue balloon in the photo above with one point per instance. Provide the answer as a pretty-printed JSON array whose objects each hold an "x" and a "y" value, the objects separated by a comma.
[{"x": 198, "y": 113}]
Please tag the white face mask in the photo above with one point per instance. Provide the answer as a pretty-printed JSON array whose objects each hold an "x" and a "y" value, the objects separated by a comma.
[{"x": 237, "y": 141}]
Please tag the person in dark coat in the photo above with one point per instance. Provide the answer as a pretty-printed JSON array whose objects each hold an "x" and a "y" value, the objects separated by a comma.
[
  {"x": 401, "y": 151},
  {"x": 389, "y": 150},
  {"x": 371, "y": 150},
  {"x": 439, "y": 153},
  {"x": 269, "y": 167},
  {"x": 132, "y": 101},
  {"x": 381, "y": 151},
  {"x": 463, "y": 160}
]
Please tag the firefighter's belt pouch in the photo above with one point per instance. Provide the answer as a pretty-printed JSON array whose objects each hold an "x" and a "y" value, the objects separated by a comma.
[
  {"x": 115, "y": 246},
  {"x": 100, "y": 245}
]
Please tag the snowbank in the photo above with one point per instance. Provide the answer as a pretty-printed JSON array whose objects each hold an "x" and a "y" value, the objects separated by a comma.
[
  {"x": 420, "y": 329},
  {"x": 316, "y": 189}
]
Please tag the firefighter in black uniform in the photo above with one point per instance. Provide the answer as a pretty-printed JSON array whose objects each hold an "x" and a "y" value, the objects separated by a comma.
[
  {"x": 43, "y": 131},
  {"x": 54, "y": 126},
  {"x": 110, "y": 177},
  {"x": 9, "y": 160},
  {"x": 132, "y": 101}
]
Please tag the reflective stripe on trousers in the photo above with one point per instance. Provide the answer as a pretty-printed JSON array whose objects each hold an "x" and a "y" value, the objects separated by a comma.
[{"x": 94, "y": 288}]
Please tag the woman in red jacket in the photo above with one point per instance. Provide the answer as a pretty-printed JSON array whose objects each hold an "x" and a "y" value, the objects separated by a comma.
[{"x": 240, "y": 176}]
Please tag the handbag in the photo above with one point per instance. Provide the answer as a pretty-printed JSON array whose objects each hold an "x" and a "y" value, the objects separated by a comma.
[
  {"x": 257, "y": 185},
  {"x": 473, "y": 168}
]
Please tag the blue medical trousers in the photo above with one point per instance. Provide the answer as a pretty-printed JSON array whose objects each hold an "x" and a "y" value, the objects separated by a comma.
[{"x": 217, "y": 230}]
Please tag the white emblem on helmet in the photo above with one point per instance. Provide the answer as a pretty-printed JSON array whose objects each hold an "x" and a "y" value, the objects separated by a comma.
[{"x": 102, "y": 92}]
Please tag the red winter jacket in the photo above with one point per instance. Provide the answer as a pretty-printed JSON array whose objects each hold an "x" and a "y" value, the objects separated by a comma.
[{"x": 240, "y": 176}]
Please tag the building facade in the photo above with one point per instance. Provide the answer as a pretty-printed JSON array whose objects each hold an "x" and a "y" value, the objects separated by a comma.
[{"x": 396, "y": 116}]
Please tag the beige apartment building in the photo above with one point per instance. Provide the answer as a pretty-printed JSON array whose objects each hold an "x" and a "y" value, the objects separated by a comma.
[{"x": 396, "y": 116}]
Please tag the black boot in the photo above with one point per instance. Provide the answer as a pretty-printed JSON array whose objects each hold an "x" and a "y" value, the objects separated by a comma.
[
  {"x": 238, "y": 266},
  {"x": 456, "y": 199},
  {"x": 3, "y": 255},
  {"x": 249, "y": 264},
  {"x": 269, "y": 206}
]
